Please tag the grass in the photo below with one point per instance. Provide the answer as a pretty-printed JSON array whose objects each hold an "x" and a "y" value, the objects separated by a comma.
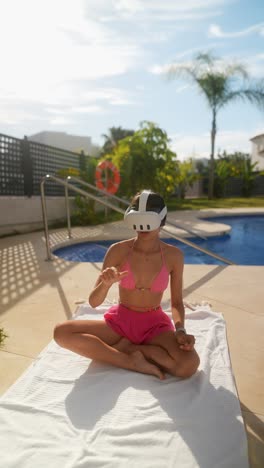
[
  {"x": 3, "y": 336},
  {"x": 204, "y": 203}
]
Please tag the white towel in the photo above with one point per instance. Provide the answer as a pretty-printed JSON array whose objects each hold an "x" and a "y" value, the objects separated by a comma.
[{"x": 66, "y": 411}]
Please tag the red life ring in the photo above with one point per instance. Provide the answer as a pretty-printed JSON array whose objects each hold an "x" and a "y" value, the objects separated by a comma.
[{"x": 113, "y": 182}]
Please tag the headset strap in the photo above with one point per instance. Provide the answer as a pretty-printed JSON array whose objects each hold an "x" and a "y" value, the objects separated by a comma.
[
  {"x": 143, "y": 200},
  {"x": 162, "y": 213},
  {"x": 142, "y": 206}
]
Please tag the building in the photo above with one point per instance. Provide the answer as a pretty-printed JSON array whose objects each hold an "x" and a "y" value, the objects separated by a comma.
[
  {"x": 257, "y": 153},
  {"x": 66, "y": 141}
]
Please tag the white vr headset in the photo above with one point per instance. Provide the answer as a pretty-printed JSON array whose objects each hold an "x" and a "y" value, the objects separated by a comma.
[{"x": 143, "y": 220}]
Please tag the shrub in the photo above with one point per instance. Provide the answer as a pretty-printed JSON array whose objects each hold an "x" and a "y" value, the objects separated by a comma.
[
  {"x": 3, "y": 336},
  {"x": 84, "y": 214}
]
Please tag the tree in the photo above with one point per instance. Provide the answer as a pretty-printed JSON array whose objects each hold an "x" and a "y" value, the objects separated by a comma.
[
  {"x": 115, "y": 134},
  {"x": 221, "y": 83},
  {"x": 186, "y": 177},
  {"x": 223, "y": 171},
  {"x": 145, "y": 161},
  {"x": 240, "y": 165}
]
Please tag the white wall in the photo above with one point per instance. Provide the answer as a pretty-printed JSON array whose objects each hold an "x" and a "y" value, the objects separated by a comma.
[
  {"x": 257, "y": 154},
  {"x": 22, "y": 214},
  {"x": 63, "y": 140}
]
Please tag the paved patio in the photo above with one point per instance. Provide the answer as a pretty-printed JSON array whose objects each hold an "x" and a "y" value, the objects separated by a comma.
[{"x": 36, "y": 294}]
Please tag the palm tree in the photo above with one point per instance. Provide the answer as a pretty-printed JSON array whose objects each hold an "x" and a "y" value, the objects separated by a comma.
[
  {"x": 220, "y": 83},
  {"x": 114, "y": 135}
]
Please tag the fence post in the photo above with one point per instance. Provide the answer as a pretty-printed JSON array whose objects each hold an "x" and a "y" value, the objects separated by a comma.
[
  {"x": 27, "y": 168},
  {"x": 82, "y": 162}
]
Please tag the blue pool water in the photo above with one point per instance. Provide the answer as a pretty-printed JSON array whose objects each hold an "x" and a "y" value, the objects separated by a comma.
[{"x": 244, "y": 245}]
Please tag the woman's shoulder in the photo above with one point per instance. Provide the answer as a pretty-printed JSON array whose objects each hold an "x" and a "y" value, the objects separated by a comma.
[
  {"x": 172, "y": 252},
  {"x": 122, "y": 245},
  {"x": 119, "y": 250}
]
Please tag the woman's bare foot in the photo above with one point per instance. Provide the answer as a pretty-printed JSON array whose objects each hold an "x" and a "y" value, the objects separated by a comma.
[
  {"x": 154, "y": 354},
  {"x": 140, "y": 364}
]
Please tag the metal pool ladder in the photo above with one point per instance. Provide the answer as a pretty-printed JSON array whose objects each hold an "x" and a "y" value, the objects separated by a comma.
[{"x": 67, "y": 185}]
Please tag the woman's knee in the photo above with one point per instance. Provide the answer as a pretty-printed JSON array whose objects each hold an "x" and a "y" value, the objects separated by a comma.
[
  {"x": 61, "y": 332},
  {"x": 186, "y": 367}
]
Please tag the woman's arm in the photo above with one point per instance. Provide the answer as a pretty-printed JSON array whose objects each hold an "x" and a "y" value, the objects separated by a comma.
[
  {"x": 185, "y": 341},
  {"x": 176, "y": 284},
  {"x": 108, "y": 276}
]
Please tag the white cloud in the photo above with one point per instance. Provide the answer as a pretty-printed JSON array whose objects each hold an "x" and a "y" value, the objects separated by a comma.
[
  {"x": 255, "y": 65},
  {"x": 169, "y": 10},
  {"x": 159, "y": 69},
  {"x": 152, "y": 21},
  {"x": 180, "y": 89},
  {"x": 112, "y": 96},
  {"x": 128, "y": 8},
  {"x": 58, "y": 107},
  {"x": 14, "y": 116},
  {"x": 216, "y": 31},
  {"x": 47, "y": 43},
  {"x": 164, "y": 69},
  {"x": 87, "y": 109},
  {"x": 52, "y": 53},
  {"x": 199, "y": 145},
  {"x": 61, "y": 121},
  {"x": 138, "y": 12}
]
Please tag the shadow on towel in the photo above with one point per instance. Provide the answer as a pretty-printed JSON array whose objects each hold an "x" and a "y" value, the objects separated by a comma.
[{"x": 120, "y": 403}]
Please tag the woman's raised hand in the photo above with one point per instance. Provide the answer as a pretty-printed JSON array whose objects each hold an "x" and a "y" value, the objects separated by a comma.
[{"x": 111, "y": 275}]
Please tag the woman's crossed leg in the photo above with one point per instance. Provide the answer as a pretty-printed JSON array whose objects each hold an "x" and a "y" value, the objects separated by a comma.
[
  {"x": 94, "y": 339},
  {"x": 164, "y": 351}
]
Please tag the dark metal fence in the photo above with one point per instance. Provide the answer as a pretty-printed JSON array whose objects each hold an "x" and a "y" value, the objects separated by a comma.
[
  {"x": 23, "y": 163},
  {"x": 236, "y": 187},
  {"x": 11, "y": 170}
]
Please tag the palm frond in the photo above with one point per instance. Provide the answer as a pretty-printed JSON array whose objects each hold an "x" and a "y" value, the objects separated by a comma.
[
  {"x": 207, "y": 58},
  {"x": 253, "y": 94},
  {"x": 179, "y": 70},
  {"x": 236, "y": 70}
]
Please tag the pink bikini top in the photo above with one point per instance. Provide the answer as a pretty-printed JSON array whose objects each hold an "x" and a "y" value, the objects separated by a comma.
[{"x": 159, "y": 283}]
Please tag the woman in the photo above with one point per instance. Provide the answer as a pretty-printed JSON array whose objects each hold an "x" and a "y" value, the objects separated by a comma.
[{"x": 136, "y": 334}]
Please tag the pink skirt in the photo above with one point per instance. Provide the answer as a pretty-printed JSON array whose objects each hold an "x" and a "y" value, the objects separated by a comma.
[{"x": 138, "y": 327}]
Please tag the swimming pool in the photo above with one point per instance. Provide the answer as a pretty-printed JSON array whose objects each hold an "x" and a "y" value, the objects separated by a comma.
[{"x": 244, "y": 245}]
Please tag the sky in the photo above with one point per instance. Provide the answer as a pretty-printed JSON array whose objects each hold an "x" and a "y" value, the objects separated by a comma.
[{"x": 83, "y": 66}]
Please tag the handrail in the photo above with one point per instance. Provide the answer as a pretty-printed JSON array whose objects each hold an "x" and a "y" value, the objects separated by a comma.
[
  {"x": 202, "y": 249},
  {"x": 93, "y": 187},
  {"x": 75, "y": 189},
  {"x": 67, "y": 185}
]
